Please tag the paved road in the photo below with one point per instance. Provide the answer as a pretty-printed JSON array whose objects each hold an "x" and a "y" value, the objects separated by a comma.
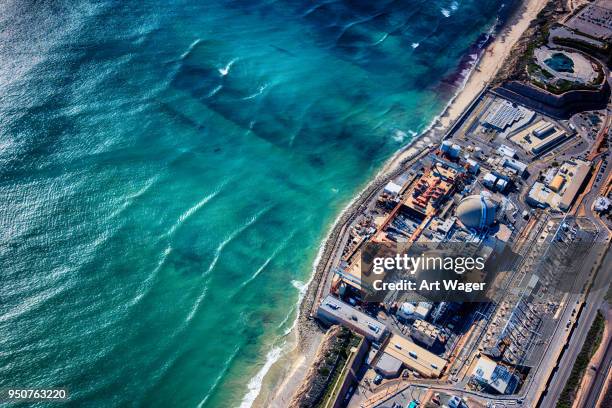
[
  {"x": 529, "y": 396},
  {"x": 600, "y": 375},
  {"x": 585, "y": 320}
]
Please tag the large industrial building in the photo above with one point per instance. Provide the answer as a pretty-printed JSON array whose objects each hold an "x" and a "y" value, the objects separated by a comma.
[
  {"x": 433, "y": 187},
  {"x": 563, "y": 187},
  {"x": 539, "y": 137},
  {"x": 494, "y": 376},
  {"x": 502, "y": 114},
  {"x": 414, "y": 357},
  {"x": 334, "y": 311}
]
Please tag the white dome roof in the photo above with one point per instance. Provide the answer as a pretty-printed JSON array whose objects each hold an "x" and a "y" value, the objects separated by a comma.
[{"x": 476, "y": 212}]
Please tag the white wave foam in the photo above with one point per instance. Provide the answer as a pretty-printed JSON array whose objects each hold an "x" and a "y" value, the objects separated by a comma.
[
  {"x": 267, "y": 261},
  {"x": 214, "y": 91},
  {"x": 194, "y": 209},
  {"x": 414, "y": 45},
  {"x": 256, "y": 94},
  {"x": 300, "y": 286},
  {"x": 381, "y": 39},
  {"x": 447, "y": 12},
  {"x": 226, "y": 366},
  {"x": 231, "y": 237},
  {"x": 258, "y": 271},
  {"x": 256, "y": 382},
  {"x": 399, "y": 136},
  {"x": 196, "y": 306},
  {"x": 285, "y": 320},
  {"x": 254, "y": 386},
  {"x": 129, "y": 200},
  {"x": 226, "y": 69},
  {"x": 469, "y": 67},
  {"x": 148, "y": 282},
  {"x": 190, "y": 48}
]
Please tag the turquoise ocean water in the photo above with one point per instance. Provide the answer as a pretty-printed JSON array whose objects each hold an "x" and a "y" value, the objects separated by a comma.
[{"x": 168, "y": 170}]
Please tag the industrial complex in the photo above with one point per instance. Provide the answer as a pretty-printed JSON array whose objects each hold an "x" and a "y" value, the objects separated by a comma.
[{"x": 508, "y": 176}]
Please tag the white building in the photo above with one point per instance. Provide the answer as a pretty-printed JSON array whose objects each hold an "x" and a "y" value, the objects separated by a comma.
[
  {"x": 497, "y": 377},
  {"x": 410, "y": 310},
  {"x": 392, "y": 188},
  {"x": 334, "y": 311},
  {"x": 504, "y": 150}
]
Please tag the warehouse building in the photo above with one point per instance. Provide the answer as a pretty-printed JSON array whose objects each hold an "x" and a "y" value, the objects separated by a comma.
[
  {"x": 415, "y": 357},
  {"x": 494, "y": 376},
  {"x": 539, "y": 137},
  {"x": 334, "y": 311}
]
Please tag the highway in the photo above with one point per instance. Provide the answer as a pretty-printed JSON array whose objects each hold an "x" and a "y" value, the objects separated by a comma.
[
  {"x": 530, "y": 394},
  {"x": 601, "y": 373},
  {"x": 580, "y": 330}
]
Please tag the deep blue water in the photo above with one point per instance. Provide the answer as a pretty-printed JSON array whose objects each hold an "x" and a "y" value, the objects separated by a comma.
[{"x": 168, "y": 170}]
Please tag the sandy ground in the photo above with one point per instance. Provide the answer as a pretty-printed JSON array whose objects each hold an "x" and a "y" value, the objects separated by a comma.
[
  {"x": 287, "y": 374},
  {"x": 486, "y": 68},
  {"x": 492, "y": 59}
]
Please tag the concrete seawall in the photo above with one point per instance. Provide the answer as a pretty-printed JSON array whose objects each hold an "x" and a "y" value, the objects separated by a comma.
[{"x": 558, "y": 106}]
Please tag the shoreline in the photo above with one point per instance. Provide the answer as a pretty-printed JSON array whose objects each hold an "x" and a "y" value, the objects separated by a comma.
[{"x": 308, "y": 334}]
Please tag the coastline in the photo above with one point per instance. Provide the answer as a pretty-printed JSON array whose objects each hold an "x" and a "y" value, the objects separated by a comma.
[{"x": 291, "y": 367}]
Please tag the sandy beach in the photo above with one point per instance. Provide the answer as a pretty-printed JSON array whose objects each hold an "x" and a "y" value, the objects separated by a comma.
[{"x": 288, "y": 372}]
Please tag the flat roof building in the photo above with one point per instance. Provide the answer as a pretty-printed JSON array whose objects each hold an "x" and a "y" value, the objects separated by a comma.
[
  {"x": 576, "y": 172},
  {"x": 497, "y": 377},
  {"x": 415, "y": 357},
  {"x": 504, "y": 150},
  {"x": 514, "y": 164},
  {"x": 388, "y": 366},
  {"x": 392, "y": 188},
  {"x": 413, "y": 310},
  {"x": 539, "y": 137},
  {"x": 502, "y": 114},
  {"x": 557, "y": 183},
  {"x": 563, "y": 188},
  {"x": 541, "y": 196},
  {"x": 422, "y": 309},
  {"x": 334, "y": 311},
  {"x": 426, "y": 333},
  {"x": 489, "y": 180}
]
